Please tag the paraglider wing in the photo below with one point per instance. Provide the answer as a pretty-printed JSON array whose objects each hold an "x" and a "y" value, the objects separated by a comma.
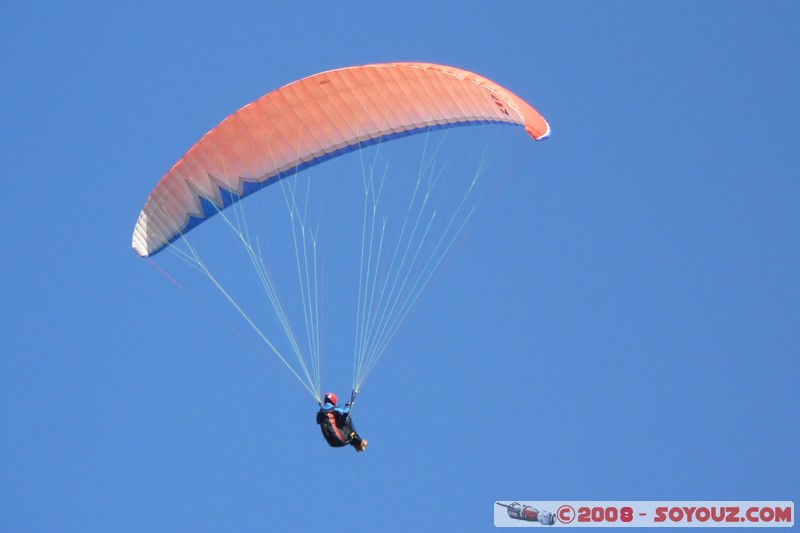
[{"x": 311, "y": 120}]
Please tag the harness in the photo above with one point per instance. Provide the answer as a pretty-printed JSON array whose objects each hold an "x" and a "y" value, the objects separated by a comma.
[{"x": 336, "y": 436}]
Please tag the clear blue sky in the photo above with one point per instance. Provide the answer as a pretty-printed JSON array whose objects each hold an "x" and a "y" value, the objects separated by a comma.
[{"x": 623, "y": 323}]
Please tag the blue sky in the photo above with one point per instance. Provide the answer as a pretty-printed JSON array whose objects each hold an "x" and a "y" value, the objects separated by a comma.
[{"x": 622, "y": 324}]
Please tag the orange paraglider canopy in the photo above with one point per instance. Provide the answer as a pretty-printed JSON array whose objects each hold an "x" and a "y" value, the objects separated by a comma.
[{"x": 313, "y": 119}]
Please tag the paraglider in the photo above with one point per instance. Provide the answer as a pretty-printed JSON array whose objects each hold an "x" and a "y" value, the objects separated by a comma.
[
  {"x": 337, "y": 425},
  {"x": 275, "y": 140}
]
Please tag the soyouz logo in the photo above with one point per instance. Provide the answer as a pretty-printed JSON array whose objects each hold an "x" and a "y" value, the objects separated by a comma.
[
  {"x": 645, "y": 513},
  {"x": 518, "y": 511}
]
